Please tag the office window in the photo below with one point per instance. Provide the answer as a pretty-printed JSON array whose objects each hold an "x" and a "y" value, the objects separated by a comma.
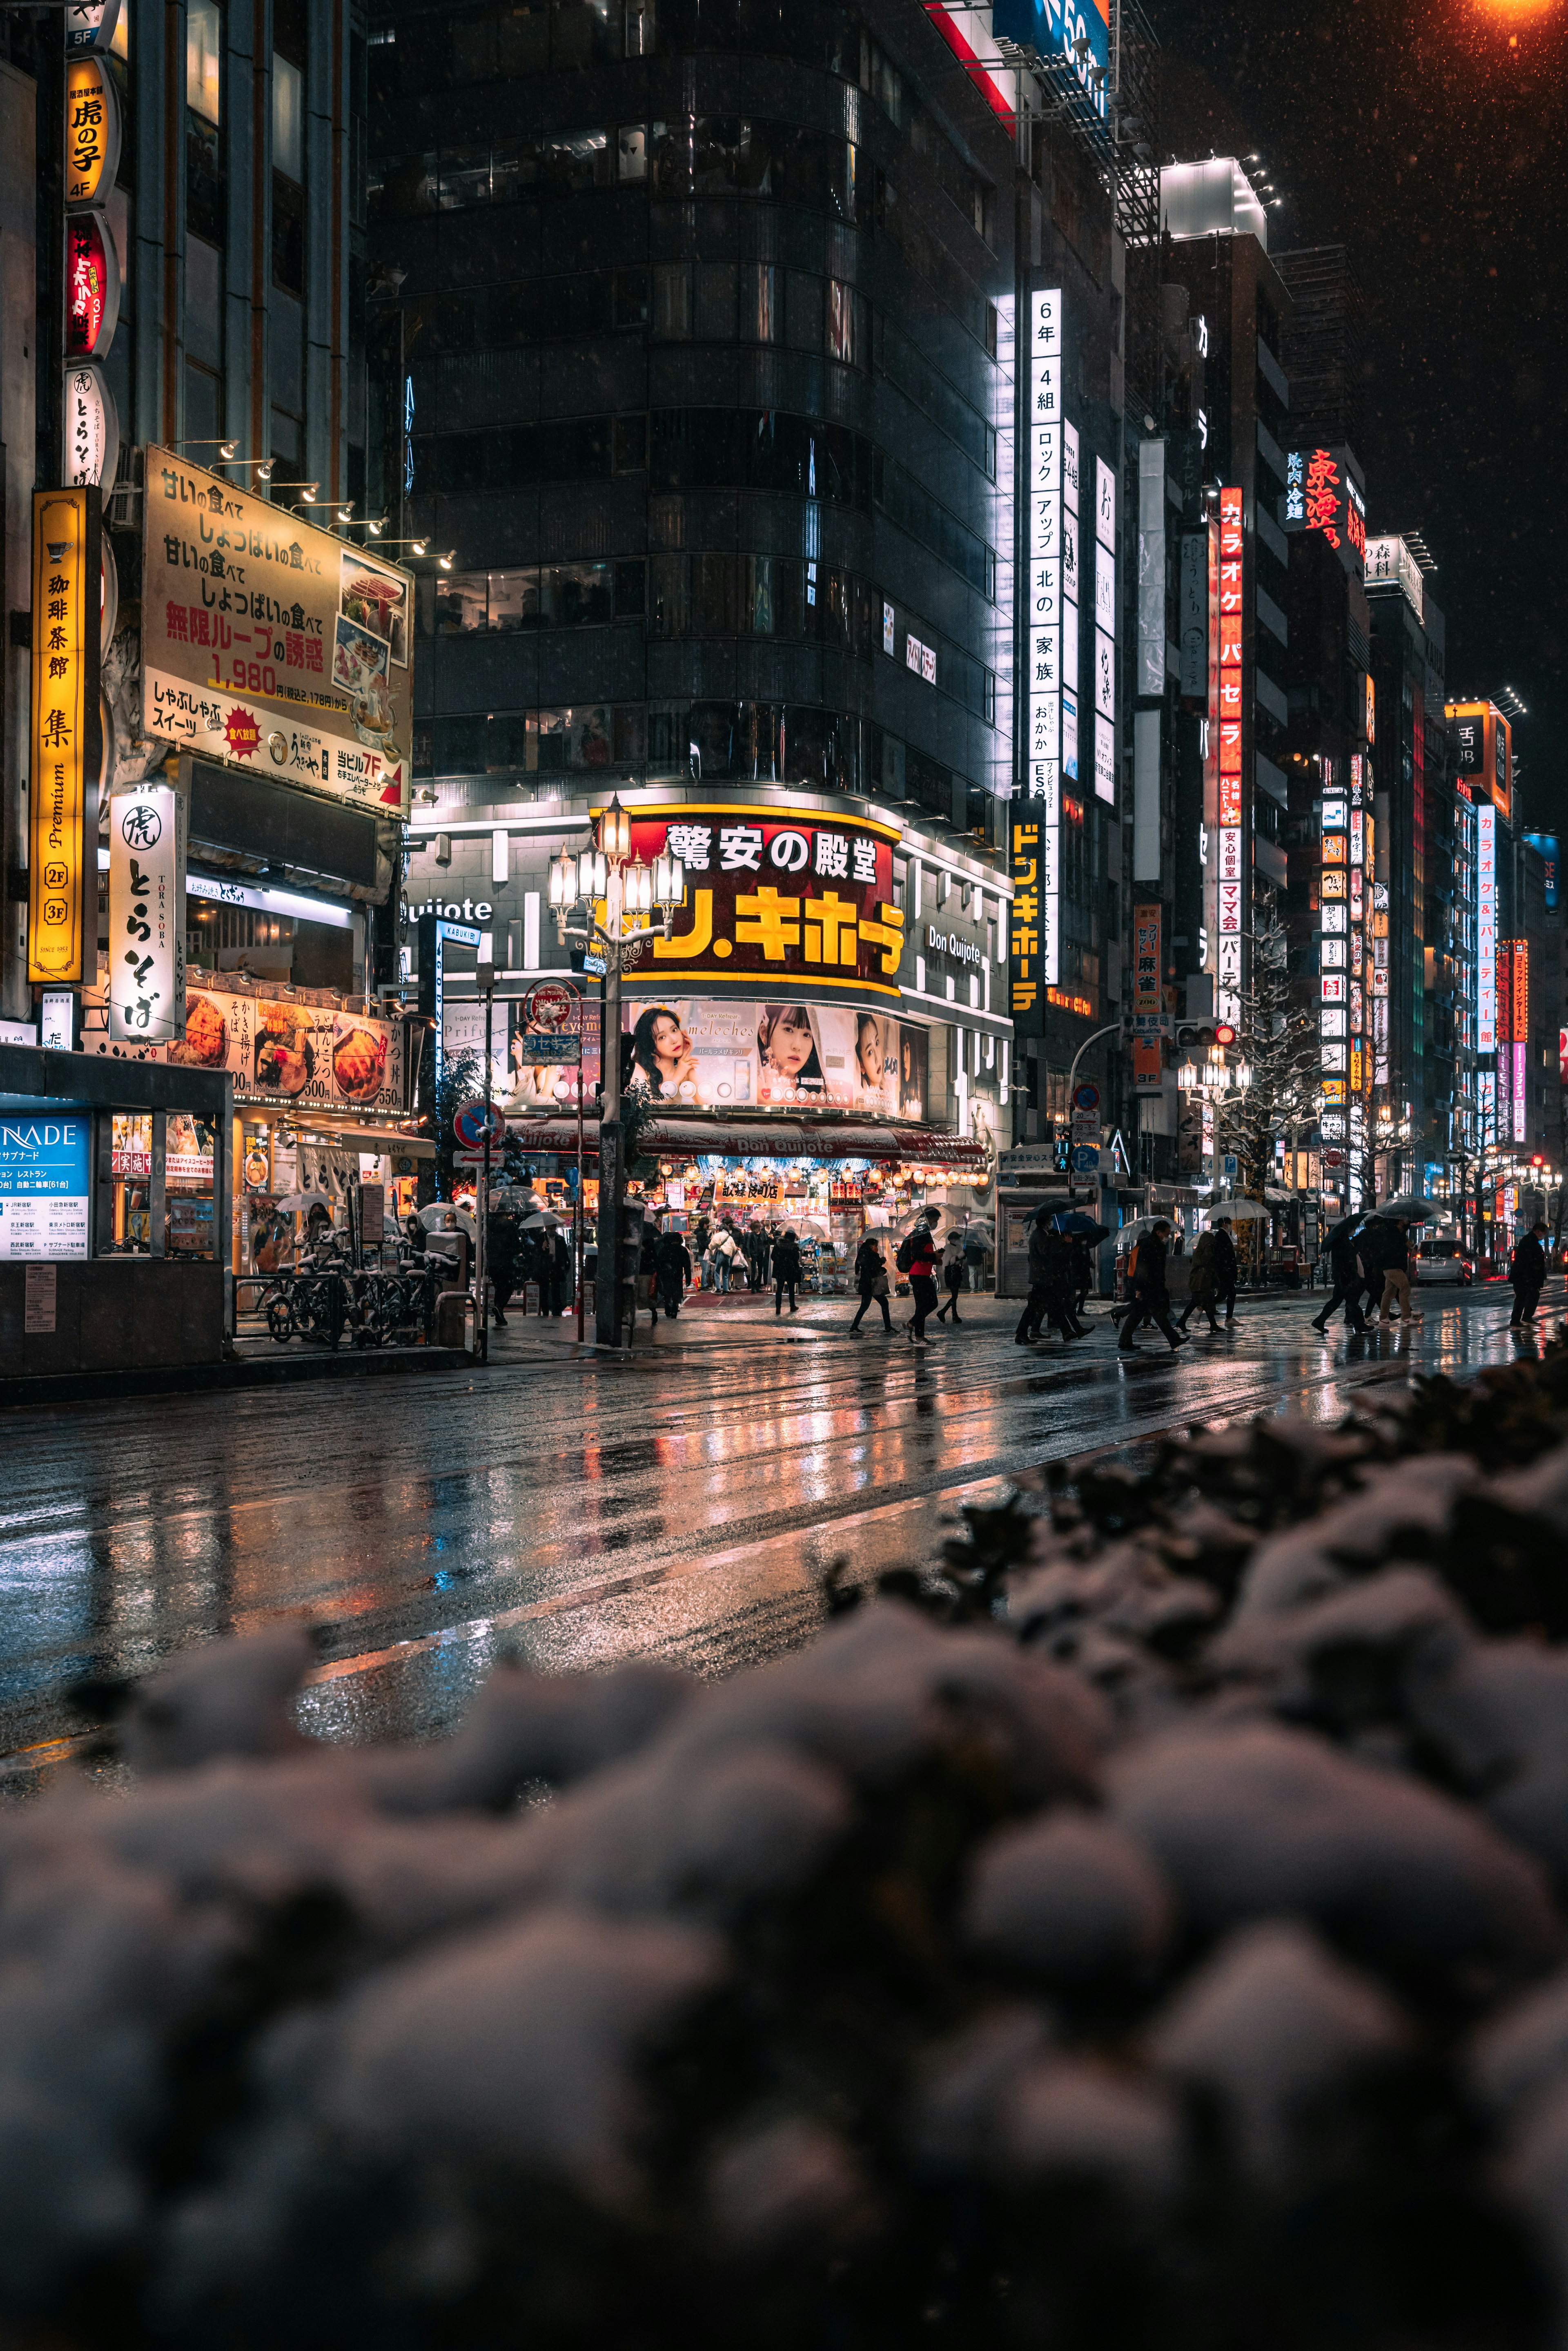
[
  {"x": 287, "y": 118},
  {"x": 204, "y": 59}
]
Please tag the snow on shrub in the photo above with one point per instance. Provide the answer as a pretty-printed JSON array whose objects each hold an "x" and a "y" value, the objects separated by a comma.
[{"x": 1147, "y": 1927}]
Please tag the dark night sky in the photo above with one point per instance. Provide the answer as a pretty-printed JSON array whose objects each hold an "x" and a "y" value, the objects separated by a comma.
[{"x": 1428, "y": 137}]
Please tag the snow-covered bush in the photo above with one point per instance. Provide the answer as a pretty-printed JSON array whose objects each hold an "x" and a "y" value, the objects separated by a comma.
[{"x": 1149, "y": 1927}]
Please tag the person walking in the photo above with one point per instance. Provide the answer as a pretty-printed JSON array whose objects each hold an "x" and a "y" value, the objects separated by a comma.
[
  {"x": 721, "y": 1259},
  {"x": 1151, "y": 1299},
  {"x": 502, "y": 1258},
  {"x": 1081, "y": 1268},
  {"x": 1527, "y": 1271},
  {"x": 975, "y": 1257},
  {"x": 917, "y": 1257},
  {"x": 761, "y": 1255},
  {"x": 1203, "y": 1283},
  {"x": 952, "y": 1275},
  {"x": 1393, "y": 1244},
  {"x": 786, "y": 1270},
  {"x": 1224, "y": 1268},
  {"x": 1341, "y": 1249},
  {"x": 871, "y": 1281},
  {"x": 674, "y": 1267}
]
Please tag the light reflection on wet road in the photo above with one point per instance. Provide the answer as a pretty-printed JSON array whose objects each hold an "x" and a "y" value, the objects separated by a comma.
[{"x": 684, "y": 1505}]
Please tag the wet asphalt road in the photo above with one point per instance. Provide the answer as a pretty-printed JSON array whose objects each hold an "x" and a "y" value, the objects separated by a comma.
[{"x": 681, "y": 1504}]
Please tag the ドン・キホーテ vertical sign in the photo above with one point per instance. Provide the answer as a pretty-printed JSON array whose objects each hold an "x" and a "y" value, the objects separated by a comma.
[{"x": 62, "y": 877}]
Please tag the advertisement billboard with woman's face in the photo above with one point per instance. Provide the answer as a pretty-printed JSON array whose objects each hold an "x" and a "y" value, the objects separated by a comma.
[{"x": 713, "y": 1055}]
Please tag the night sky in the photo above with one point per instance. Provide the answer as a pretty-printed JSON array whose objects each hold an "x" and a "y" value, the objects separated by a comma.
[{"x": 1428, "y": 137}]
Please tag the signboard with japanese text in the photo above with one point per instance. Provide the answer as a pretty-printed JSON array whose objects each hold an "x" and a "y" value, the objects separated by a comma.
[
  {"x": 270, "y": 646},
  {"x": 91, "y": 27},
  {"x": 1024, "y": 934},
  {"x": 1229, "y": 724},
  {"x": 1485, "y": 927},
  {"x": 1545, "y": 846},
  {"x": 45, "y": 1185},
  {"x": 92, "y": 131},
  {"x": 146, "y": 915},
  {"x": 92, "y": 286},
  {"x": 62, "y": 876},
  {"x": 1047, "y": 429},
  {"x": 713, "y": 1055},
  {"x": 1148, "y": 959},
  {"x": 283, "y": 1052},
  {"x": 92, "y": 430},
  {"x": 1321, "y": 494},
  {"x": 804, "y": 900}
]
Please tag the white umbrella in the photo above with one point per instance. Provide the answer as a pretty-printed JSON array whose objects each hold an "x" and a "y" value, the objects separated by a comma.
[
  {"x": 1240, "y": 1212},
  {"x": 543, "y": 1220},
  {"x": 299, "y": 1203},
  {"x": 438, "y": 1216}
]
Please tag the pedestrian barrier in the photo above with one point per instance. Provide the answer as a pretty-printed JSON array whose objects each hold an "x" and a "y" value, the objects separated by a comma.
[{"x": 324, "y": 1307}]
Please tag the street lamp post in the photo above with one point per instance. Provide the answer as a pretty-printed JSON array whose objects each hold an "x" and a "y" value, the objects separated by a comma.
[
  {"x": 1211, "y": 1079},
  {"x": 608, "y": 875},
  {"x": 1112, "y": 1028}
]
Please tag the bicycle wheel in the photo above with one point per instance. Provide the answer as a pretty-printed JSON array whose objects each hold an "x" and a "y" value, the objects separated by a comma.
[{"x": 279, "y": 1317}]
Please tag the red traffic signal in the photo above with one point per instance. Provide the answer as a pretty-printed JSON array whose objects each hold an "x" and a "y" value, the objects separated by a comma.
[
  {"x": 1538, "y": 1159},
  {"x": 1225, "y": 1034}
]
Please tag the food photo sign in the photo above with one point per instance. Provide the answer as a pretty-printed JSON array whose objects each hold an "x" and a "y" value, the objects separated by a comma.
[
  {"x": 271, "y": 646},
  {"x": 283, "y": 1052}
]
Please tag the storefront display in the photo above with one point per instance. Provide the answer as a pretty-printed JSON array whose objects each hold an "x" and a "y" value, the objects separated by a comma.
[
  {"x": 45, "y": 1183},
  {"x": 279, "y": 1049}
]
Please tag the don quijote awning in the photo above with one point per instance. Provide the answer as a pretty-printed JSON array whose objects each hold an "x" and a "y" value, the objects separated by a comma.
[{"x": 920, "y": 1147}]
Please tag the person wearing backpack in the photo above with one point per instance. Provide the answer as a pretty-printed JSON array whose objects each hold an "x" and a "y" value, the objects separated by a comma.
[
  {"x": 1527, "y": 1271},
  {"x": 871, "y": 1281},
  {"x": 918, "y": 1258},
  {"x": 1151, "y": 1300},
  {"x": 786, "y": 1270}
]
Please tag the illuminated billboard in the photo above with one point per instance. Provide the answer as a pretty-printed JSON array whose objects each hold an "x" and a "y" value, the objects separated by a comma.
[
  {"x": 1059, "y": 29},
  {"x": 1483, "y": 742},
  {"x": 1321, "y": 494}
]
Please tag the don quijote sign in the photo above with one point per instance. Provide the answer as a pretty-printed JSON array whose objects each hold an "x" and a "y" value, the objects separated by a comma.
[{"x": 957, "y": 948}]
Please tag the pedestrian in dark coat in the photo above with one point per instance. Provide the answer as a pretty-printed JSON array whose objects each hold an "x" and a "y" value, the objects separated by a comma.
[
  {"x": 1151, "y": 1299},
  {"x": 786, "y": 1270},
  {"x": 1527, "y": 1271},
  {"x": 1203, "y": 1283},
  {"x": 1050, "y": 1283},
  {"x": 1340, "y": 1248},
  {"x": 871, "y": 1281},
  {"x": 952, "y": 1275},
  {"x": 674, "y": 1264},
  {"x": 501, "y": 1246},
  {"x": 1224, "y": 1268}
]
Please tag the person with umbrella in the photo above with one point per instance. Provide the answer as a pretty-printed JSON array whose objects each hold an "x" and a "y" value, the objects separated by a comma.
[
  {"x": 1049, "y": 1283},
  {"x": 1224, "y": 1268},
  {"x": 1527, "y": 1271},
  {"x": 1151, "y": 1299},
  {"x": 1344, "y": 1265},
  {"x": 501, "y": 1256},
  {"x": 1203, "y": 1283}
]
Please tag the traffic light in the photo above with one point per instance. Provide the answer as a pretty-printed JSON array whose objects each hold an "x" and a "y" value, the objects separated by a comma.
[
  {"x": 1060, "y": 1159},
  {"x": 1225, "y": 1034},
  {"x": 1538, "y": 1159},
  {"x": 1190, "y": 1038}
]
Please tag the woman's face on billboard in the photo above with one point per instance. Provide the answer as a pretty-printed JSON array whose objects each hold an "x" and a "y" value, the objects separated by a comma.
[
  {"x": 670, "y": 1040},
  {"x": 870, "y": 1053},
  {"x": 789, "y": 1048}
]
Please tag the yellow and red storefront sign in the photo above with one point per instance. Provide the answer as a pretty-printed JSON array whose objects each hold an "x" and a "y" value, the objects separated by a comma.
[
  {"x": 777, "y": 895},
  {"x": 65, "y": 617}
]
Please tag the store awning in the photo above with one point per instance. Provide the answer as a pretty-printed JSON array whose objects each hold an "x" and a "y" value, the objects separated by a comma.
[
  {"x": 682, "y": 1138},
  {"x": 379, "y": 1139}
]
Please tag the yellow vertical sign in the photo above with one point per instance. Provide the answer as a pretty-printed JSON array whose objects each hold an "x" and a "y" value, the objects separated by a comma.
[{"x": 64, "y": 541}]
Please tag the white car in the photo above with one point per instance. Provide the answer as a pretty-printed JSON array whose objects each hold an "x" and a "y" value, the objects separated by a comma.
[{"x": 1443, "y": 1260}]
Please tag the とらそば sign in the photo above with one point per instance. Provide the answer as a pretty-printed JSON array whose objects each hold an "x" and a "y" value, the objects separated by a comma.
[
  {"x": 93, "y": 427},
  {"x": 62, "y": 876},
  {"x": 792, "y": 899},
  {"x": 272, "y": 647},
  {"x": 146, "y": 915}
]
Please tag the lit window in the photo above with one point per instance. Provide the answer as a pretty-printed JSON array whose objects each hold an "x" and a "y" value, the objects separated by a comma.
[
  {"x": 204, "y": 59},
  {"x": 287, "y": 118}
]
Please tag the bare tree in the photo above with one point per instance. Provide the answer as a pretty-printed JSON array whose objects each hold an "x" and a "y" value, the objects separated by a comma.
[{"x": 1279, "y": 1042}]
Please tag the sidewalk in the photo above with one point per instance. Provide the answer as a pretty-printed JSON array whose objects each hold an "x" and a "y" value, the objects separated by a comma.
[{"x": 743, "y": 1318}]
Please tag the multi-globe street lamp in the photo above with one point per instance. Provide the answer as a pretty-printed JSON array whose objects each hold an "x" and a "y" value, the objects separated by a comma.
[{"x": 608, "y": 877}]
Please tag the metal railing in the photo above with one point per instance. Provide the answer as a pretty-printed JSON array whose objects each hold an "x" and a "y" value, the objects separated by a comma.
[{"x": 326, "y": 1306}]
